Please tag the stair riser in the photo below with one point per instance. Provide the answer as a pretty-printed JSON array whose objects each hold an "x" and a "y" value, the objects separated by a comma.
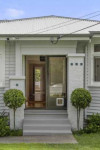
[
  {"x": 45, "y": 112},
  {"x": 25, "y": 114},
  {"x": 28, "y": 122},
  {"x": 46, "y": 128},
  {"x": 45, "y": 116},
  {"x": 47, "y": 133}
]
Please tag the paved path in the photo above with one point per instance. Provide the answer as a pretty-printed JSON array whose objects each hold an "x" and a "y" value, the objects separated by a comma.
[{"x": 52, "y": 139}]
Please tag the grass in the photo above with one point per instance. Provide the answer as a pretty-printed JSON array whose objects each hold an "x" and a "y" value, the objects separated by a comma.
[{"x": 85, "y": 142}]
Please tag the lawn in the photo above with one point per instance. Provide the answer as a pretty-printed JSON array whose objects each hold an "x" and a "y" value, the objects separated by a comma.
[{"x": 85, "y": 142}]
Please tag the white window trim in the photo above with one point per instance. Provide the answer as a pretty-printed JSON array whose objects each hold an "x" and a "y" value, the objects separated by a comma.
[{"x": 94, "y": 54}]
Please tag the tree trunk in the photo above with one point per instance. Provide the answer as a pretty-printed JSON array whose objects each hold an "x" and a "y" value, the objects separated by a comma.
[
  {"x": 14, "y": 119},
  {"x": 78, "y": 119}
]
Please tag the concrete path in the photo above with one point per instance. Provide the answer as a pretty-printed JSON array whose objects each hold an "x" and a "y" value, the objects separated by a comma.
[{"x": 51, "y": 139}]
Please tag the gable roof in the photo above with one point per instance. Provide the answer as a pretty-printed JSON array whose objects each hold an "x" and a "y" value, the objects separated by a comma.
[{"x": 47, "y": 25}]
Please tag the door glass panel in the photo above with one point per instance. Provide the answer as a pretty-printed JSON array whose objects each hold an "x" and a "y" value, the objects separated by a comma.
[
  {"x": 37, "y": 79},
  {"x": 57, "y": 77},
  {"x": 37, "y": 84}
]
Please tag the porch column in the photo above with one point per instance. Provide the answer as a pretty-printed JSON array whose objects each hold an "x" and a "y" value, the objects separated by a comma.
[
  {"x": 75, "y": 70},
  {"x": 17, "y": 83}
]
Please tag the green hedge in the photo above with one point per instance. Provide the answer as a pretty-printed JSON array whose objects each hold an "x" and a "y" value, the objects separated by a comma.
[
  {"x": 93, "y": 124},
  {"x": 4, "y": 128}
]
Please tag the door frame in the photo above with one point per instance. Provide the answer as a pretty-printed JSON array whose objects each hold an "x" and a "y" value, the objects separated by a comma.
[
  {"x": 27, "y": 64},
  {"x": 46, "y": 78}
]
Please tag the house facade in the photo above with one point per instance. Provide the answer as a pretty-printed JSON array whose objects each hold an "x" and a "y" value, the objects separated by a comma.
[{"x": 47, "y": 70}]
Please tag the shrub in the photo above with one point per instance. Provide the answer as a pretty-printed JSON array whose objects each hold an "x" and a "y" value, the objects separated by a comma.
[
  {"x": 80, "y": 99},
  {"x": 14, "y": 98},
  {"x": 16, "y": 133},
  {"x": 93, "y": 124},
  {"x": 4, "y": 128}
]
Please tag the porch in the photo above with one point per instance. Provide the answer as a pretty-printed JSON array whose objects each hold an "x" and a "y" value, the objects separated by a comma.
[{"x": 60, "y": 71}]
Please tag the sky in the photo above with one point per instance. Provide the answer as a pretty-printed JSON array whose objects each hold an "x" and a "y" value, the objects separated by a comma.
[{"x": 15, "y": 9}]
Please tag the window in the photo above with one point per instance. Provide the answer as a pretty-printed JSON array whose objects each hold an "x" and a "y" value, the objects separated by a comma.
[
  {"x": 97, "y": 48},
  {"x": 97, "y": 68},
  {"x": 57, "y": 76},
  {"x": 96, "y": 56}
]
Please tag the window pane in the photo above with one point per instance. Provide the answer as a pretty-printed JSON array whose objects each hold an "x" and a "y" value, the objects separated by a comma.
[
  {"x": 57, "y": 78},
  {"x": 97, "y": 48},
  {"x": 97, "y": 69},
  {"x": 37, "y": 79}
]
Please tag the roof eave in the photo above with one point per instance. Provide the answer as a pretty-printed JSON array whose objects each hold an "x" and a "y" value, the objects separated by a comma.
[{"x": 44, "y": 35}]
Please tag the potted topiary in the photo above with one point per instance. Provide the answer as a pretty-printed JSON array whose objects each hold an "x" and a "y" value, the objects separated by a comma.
[
  {"x": 80, "y": 99},
  {"x": 13, "y": 99}
]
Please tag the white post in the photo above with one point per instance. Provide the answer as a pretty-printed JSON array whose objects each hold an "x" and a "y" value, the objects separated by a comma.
[{"x": 75, "y": 79}]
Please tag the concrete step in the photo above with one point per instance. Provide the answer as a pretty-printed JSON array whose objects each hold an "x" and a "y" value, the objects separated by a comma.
[
  {"x": 46, "y": 132},
  {"x": 47, "y": 127},
  {"x": 47, "y": 112},
  {"x": 29, "y": 117},
  {"x": 46, "y": 121}
]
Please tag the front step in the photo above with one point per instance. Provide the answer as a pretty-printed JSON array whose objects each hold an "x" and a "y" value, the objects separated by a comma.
[
  {"x": 30, "y": 111},
  {"x": 45, "y": 122}
]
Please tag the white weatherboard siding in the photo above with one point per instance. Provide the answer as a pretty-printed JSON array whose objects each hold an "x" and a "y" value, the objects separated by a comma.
[
  {"x": 93, "y": 87},
  {"x": 2, "y": 105},
  {"x": 95, "y": 104},
  {"x": 2, "y": 75},
  {"x": 9, "y": 71},
  {"x": 2, "y": 63},
  {"x": 9, "y": 62}
]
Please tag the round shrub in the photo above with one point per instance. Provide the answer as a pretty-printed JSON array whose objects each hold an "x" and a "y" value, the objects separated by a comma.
[
  {"x": 13, "y": 99},
  {"x": 81, "y": 98}
]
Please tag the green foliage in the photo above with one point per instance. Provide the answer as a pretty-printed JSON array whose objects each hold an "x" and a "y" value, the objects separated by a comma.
[
  {"x": 80, "y": 132},
  {"x": 37, "y": 75},
  {"x": 15, "y": 133},
  {"x": 80, "y": 98},
  {"x": 4, "y": 128},
  {"x": 93, "y": 124},
  {"x": 14, "y": 98}
]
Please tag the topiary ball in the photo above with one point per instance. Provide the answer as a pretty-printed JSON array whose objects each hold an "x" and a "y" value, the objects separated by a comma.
[
  {"x": 14, "y": 98},
  {"x": 81, "y": 98}
]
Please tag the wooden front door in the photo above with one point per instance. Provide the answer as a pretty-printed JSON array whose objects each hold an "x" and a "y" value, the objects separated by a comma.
[{"x": 37, "y": 94}]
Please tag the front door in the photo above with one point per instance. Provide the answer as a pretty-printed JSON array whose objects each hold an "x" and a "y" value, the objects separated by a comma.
[
  {"x": 37, "y": 86},
  {"x": 56, "y": 83},
  {"x": 46, "y": 82}
]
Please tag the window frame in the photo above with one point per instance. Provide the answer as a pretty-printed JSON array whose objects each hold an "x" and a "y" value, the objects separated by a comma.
[
  {"x": 95, "y": 57},
  {"x": 93, "y": 54}
]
